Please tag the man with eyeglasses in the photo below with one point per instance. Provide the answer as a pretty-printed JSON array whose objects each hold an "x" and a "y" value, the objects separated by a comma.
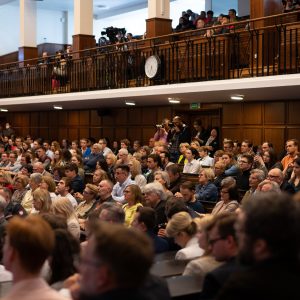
[
  {"x": 245, "y": 166},
  {"x": 224, "y": 247},
  {"x": 268, "y": 234},
  {"x": 277, "y": 176},
  {"x": 14, "y": 166}
]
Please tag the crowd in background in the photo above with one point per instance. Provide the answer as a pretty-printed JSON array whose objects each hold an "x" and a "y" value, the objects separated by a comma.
[{"x": 175, "y": 190}]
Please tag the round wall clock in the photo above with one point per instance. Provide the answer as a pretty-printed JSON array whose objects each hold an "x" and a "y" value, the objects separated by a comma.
[{"x": 152, "y": 66}]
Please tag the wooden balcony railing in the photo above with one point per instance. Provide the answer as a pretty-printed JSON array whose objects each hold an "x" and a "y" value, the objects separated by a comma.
[{"x": 259, "y": 47}]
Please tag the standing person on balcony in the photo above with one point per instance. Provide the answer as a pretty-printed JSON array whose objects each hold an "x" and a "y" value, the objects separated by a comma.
[{"x": 180, "y": 133}]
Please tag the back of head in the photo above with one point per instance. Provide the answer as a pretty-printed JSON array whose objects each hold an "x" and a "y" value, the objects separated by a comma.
[
  {"x": 132, "y": 254},
  {"x": 33, "y": 240},
  {"x": 181, "y": 222},
  {"x": 274, "y": 218}
]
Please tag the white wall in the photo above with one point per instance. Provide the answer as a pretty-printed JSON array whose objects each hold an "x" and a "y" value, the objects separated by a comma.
[
  {"x": 49, "y": 26},
  {"x": 10, "y": 29},
  {"x": 135, "y": 23}
]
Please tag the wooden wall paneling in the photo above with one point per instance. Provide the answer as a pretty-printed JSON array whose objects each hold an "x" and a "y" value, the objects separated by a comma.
[
  {"x": 134, "y": 133},
  {"x": 62, "y": 133},
  {"x": 34, "y": 119},
  {"x": 73, "y": 134},
  {"x": 108, "y": 133},
  {"x": 149, "y": 116},
  {"x": 232, "y": 114},
  {"x": 275, "y": 136},
  {"x": 232, "y": 133},
  {"x": 164, "y": 112},
  {"x": 44, "y": 132},
  {"x": 53, "y": 133},
  {"x": 147, "y": 133},
  {"x": 54, "y": 119},
  {"x": 91, "y": 117},
  {"x": 120, "y": 116},
  {"x": 44, "y": 119},
  {"x": 121, "y": 133},
  {"x": 134, "y": 116},
  {"x": 253, "y": 134},
  {"x": 293, "y": 112},
  {"x": 252, "y": 114},
  {"x": 73, "y": 118},
  {"x": 84, "y": 118},
  {"x": 84, "y": 133},
  {"x": 63, "y": 118},
  {"x": 96, "y": 133},
  {"x": 274, "y": 113},
  {"x": 109, "y": 120},
  {"x": 34, "y": 132},
  {"x": 293, "y": 133}
]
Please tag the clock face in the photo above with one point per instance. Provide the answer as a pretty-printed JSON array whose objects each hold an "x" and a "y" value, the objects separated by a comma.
[{"x": 152, "y": 66}]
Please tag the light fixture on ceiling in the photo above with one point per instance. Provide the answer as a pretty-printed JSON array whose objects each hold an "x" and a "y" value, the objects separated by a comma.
[
  {"x": 174, "y": 100},
  {"x": 57, "y": 107},
  {"x": 131, "y": 103},
  {"x": 237, "y": 97},
  {"x": 3, "y": 110}
]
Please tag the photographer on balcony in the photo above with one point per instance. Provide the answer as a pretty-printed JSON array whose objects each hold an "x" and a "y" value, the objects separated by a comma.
[
  {"x": 163, "y": 130},
  {"x": 180, "y": 133}
]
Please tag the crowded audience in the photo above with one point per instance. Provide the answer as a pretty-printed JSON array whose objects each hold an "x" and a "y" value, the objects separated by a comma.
[{"x": 188, "y": 192}]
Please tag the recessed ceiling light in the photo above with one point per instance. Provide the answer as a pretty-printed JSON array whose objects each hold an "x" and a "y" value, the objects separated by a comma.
[
  {"x": 3, "y": 110},
  {"x": 130, "y": 103},
  {"x": 173, "y": 100},
  {"x": 57, "y": 107},
  {"x": 237, "y": 97}
]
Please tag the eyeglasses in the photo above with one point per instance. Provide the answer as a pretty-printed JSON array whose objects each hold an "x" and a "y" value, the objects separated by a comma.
[
  {"x": 86, "y": 192},
  {"x": 272, "y": 176},
  {"x": 243, "y": 162},
  {"x": 213, "y": 241}
]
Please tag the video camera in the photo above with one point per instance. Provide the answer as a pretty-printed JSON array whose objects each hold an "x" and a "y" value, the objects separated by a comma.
[{"x": 115, "y": 34}]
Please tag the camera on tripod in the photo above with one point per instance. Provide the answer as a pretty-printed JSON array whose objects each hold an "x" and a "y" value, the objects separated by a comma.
[{"x": 115, "y": 34}]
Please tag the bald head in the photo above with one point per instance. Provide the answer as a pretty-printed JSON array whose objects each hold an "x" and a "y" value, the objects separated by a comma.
[{"x": 276, "y": 175}]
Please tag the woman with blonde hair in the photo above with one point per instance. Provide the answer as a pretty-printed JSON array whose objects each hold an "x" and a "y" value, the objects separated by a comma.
[
  {"x": 183, "y": 229},
  {"x": 111, "y": 160},
  {"x": 199, "y": 267},
  {"x": 63, "y": 207},
  {"x": 20, "y": 183},
  {"x": 41, "y": 201},
  {"x": 136, "y": 172},
  {"x": 206, "y": 190},
  {"x": 48, "y": 184},
  {"x": 133, "y": 197}
]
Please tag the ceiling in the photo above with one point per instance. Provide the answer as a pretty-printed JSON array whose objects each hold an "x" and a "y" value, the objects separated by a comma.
[
  {"x": 102, "y": 8},
  {"x": 281, "y": 87}
]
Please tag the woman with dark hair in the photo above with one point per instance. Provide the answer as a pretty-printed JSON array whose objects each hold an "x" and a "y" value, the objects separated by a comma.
[
  {"x": 64, "y": 258},
  {"x": 66, "y": 157},
  {"x": 270, "y": 159},
  {"x": 295, "y": 177},
  {"x": 229, "y": 197}
]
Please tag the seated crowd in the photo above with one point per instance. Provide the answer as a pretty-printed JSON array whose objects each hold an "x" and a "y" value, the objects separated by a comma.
[
  {"x": 184, "y": 192},
  {"x": 189, "y": 20}
]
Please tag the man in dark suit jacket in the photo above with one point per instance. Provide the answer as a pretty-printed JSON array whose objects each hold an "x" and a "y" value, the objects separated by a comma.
[
  {"x": 224, "y": 248},
  {"x": 269, "y": 243}
]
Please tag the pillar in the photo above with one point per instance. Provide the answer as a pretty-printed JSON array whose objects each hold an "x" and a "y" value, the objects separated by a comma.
[
  {"x": 27, "y": 45},
  {"x": 158, "y": 22},
  {"x": 83, "y": 37}
]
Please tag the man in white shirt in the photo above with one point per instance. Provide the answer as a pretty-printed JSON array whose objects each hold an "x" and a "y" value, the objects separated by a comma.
[
  {"x": 13, "y": 165},
  {"x": 122, "y": 176},
  {"x": 104, "y": 149},
  {"x": 192, "y": 166},
  {"x": 63, "y": 189}
]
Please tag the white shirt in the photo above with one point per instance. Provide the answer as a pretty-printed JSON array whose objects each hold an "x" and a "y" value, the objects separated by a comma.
[
  {"x": 118, "y": 189},
  {"x": 206, "y": 161},
  {"x": 71, "y": 198},
  {"x": 192, "y": 167},
  {"x": 190, "y": 251}
]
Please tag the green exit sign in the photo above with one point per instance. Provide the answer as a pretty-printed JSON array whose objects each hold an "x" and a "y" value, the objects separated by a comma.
[{"x": 195, "y": 105}]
